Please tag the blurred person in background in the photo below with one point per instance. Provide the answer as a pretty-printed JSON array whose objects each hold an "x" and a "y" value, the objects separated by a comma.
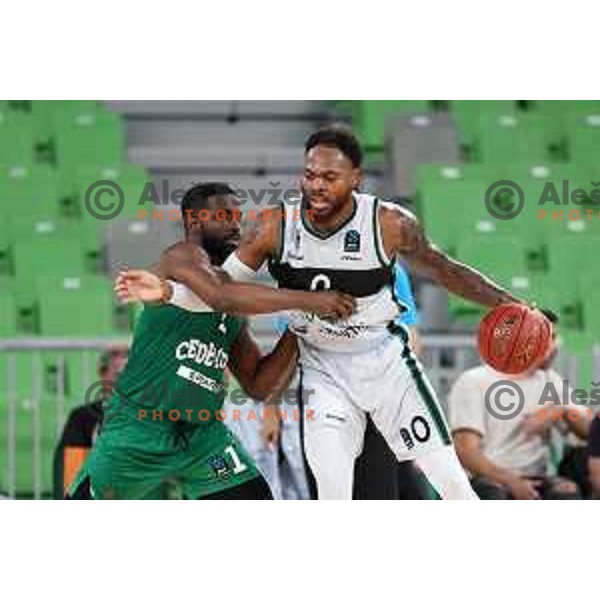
[
  {"x": 593, "y": 459},
  {"x": 274, "y": 441},
  {"x": 510, "y": 458},
  {"x": 81, "y": 427}
]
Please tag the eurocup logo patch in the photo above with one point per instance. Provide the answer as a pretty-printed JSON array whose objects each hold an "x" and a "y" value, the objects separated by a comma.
[
  {"x": 219, "y": 466},
  {"x": 352, "y": 241}
]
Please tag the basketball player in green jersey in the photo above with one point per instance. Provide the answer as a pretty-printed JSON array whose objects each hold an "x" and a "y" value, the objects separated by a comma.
[{"x": 161, "y": 427}]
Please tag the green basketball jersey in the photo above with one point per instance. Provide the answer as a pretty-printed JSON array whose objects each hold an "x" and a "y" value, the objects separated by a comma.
[
  {"x": 161, "y": 428},
  {"x": 175, "y": 368}
]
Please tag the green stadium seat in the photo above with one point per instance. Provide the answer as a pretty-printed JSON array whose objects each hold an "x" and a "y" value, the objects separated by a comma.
[
  {"x": 502, "y": 258},
  {"x": 573, "y": 221},
  {"x": 467, "y": 115},
  {"x": 95, "y": 137},
  {"x": 131, "y": 179},
  {"x": 17, "y": 142},
  {"x": 549, "y": 291},
  {"x": 17, "y": 316},
  {"x": 584, "y": 137},
  {"x": 441, "y": 173},
  {"x": 452, "y": 209},
  {"x": 541, "y": 171},
  {"x": 49, "y": 115},
  {"x": 25, "y": 226},
  {"x": 534, "y": 223},
  {"x": 23, "y": 106},
  {"x": 8, "y": 314},
  {"x": 60, "y": 228},
  {"x": 76, "y": 306},
  {"x": 5, "y": 242},
  {"x": 7, "y": 284},
  {"x": 25, "y": 183},
  {"x": 573, "y": 257},
  {"x": 371, "y": 115},
  {"x": 589, "y": 284},
  {"x": 442, "y": 204},
  {"x": 546, "y": 217},
  {"x": 514, "y": 138},
  {"x": 47, "y": 253},
  {"x": 559, "y": 108},
  {"x": 567, "y": 180},
  {"x": 467, "y": 185},
  {"x": 31, "y": 192},
  {"x": 557, "y": 112},
  {"x": 85, "y": 175}
]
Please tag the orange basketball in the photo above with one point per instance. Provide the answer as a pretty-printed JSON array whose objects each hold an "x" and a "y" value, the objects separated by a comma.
[{"x": 514, "y": 338}]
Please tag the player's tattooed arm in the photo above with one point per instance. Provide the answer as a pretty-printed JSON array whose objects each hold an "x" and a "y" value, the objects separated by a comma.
[
  {"x": 260, "y": 240},
  {"x": 402, "y": 234},
  {"x": 263, "y": 376},
  {"x": 189, "y": 264}
]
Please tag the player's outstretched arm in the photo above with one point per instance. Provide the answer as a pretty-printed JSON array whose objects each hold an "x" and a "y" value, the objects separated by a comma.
[
  {"x": 263, "y": 376},
  {"x": 402, "y": 234},
  {"x": 190, "y": 265}
]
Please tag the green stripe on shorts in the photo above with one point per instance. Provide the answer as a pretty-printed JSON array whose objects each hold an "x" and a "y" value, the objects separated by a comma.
[{"x": 424, "y": 388}]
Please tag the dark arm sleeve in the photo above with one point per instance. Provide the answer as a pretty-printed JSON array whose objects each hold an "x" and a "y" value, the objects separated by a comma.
[{"x": 594, "y": 439}]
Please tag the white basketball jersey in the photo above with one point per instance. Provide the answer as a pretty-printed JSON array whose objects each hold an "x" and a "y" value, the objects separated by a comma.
[{"x": 350, "y": 259}]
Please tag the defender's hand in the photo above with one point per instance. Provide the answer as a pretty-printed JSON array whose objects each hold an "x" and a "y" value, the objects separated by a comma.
[
  {"x": 332, "y": 305},
  {"x": 139, "y": 286}
]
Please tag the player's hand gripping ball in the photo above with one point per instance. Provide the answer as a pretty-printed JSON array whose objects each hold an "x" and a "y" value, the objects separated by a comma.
[{"x": 514, "y": 338}]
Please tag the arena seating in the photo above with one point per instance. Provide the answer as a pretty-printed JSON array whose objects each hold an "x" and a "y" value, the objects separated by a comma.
[
  {"x": 57, "y": 261},
  {"x": 548, "y": 259},
  {"x": 51, "y": 152}
]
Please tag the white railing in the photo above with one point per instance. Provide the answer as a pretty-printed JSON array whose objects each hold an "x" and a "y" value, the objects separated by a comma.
[
  {"x": 445, "y": 357},
  {"x": 22, "y": 366}
]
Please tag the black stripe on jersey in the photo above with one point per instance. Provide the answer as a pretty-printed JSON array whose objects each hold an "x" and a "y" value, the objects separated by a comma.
[{"x": 358, "y": 283}]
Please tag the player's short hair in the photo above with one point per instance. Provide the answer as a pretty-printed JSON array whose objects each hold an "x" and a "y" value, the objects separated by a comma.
[
  {"x": 338, "y": 136},
  {"x": 196, "y": 197}
]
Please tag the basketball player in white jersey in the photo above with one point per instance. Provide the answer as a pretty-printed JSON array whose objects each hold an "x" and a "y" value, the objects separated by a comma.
[
  {"x": 348, "y": 242},
  {"x": 363, "y": 365}
]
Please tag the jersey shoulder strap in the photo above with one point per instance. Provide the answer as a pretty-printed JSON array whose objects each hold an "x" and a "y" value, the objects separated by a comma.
[{"x": 382, "y": 255}]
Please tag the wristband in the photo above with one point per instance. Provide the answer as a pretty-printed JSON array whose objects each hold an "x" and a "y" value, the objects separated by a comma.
[{"x": 166, "y": 291}]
